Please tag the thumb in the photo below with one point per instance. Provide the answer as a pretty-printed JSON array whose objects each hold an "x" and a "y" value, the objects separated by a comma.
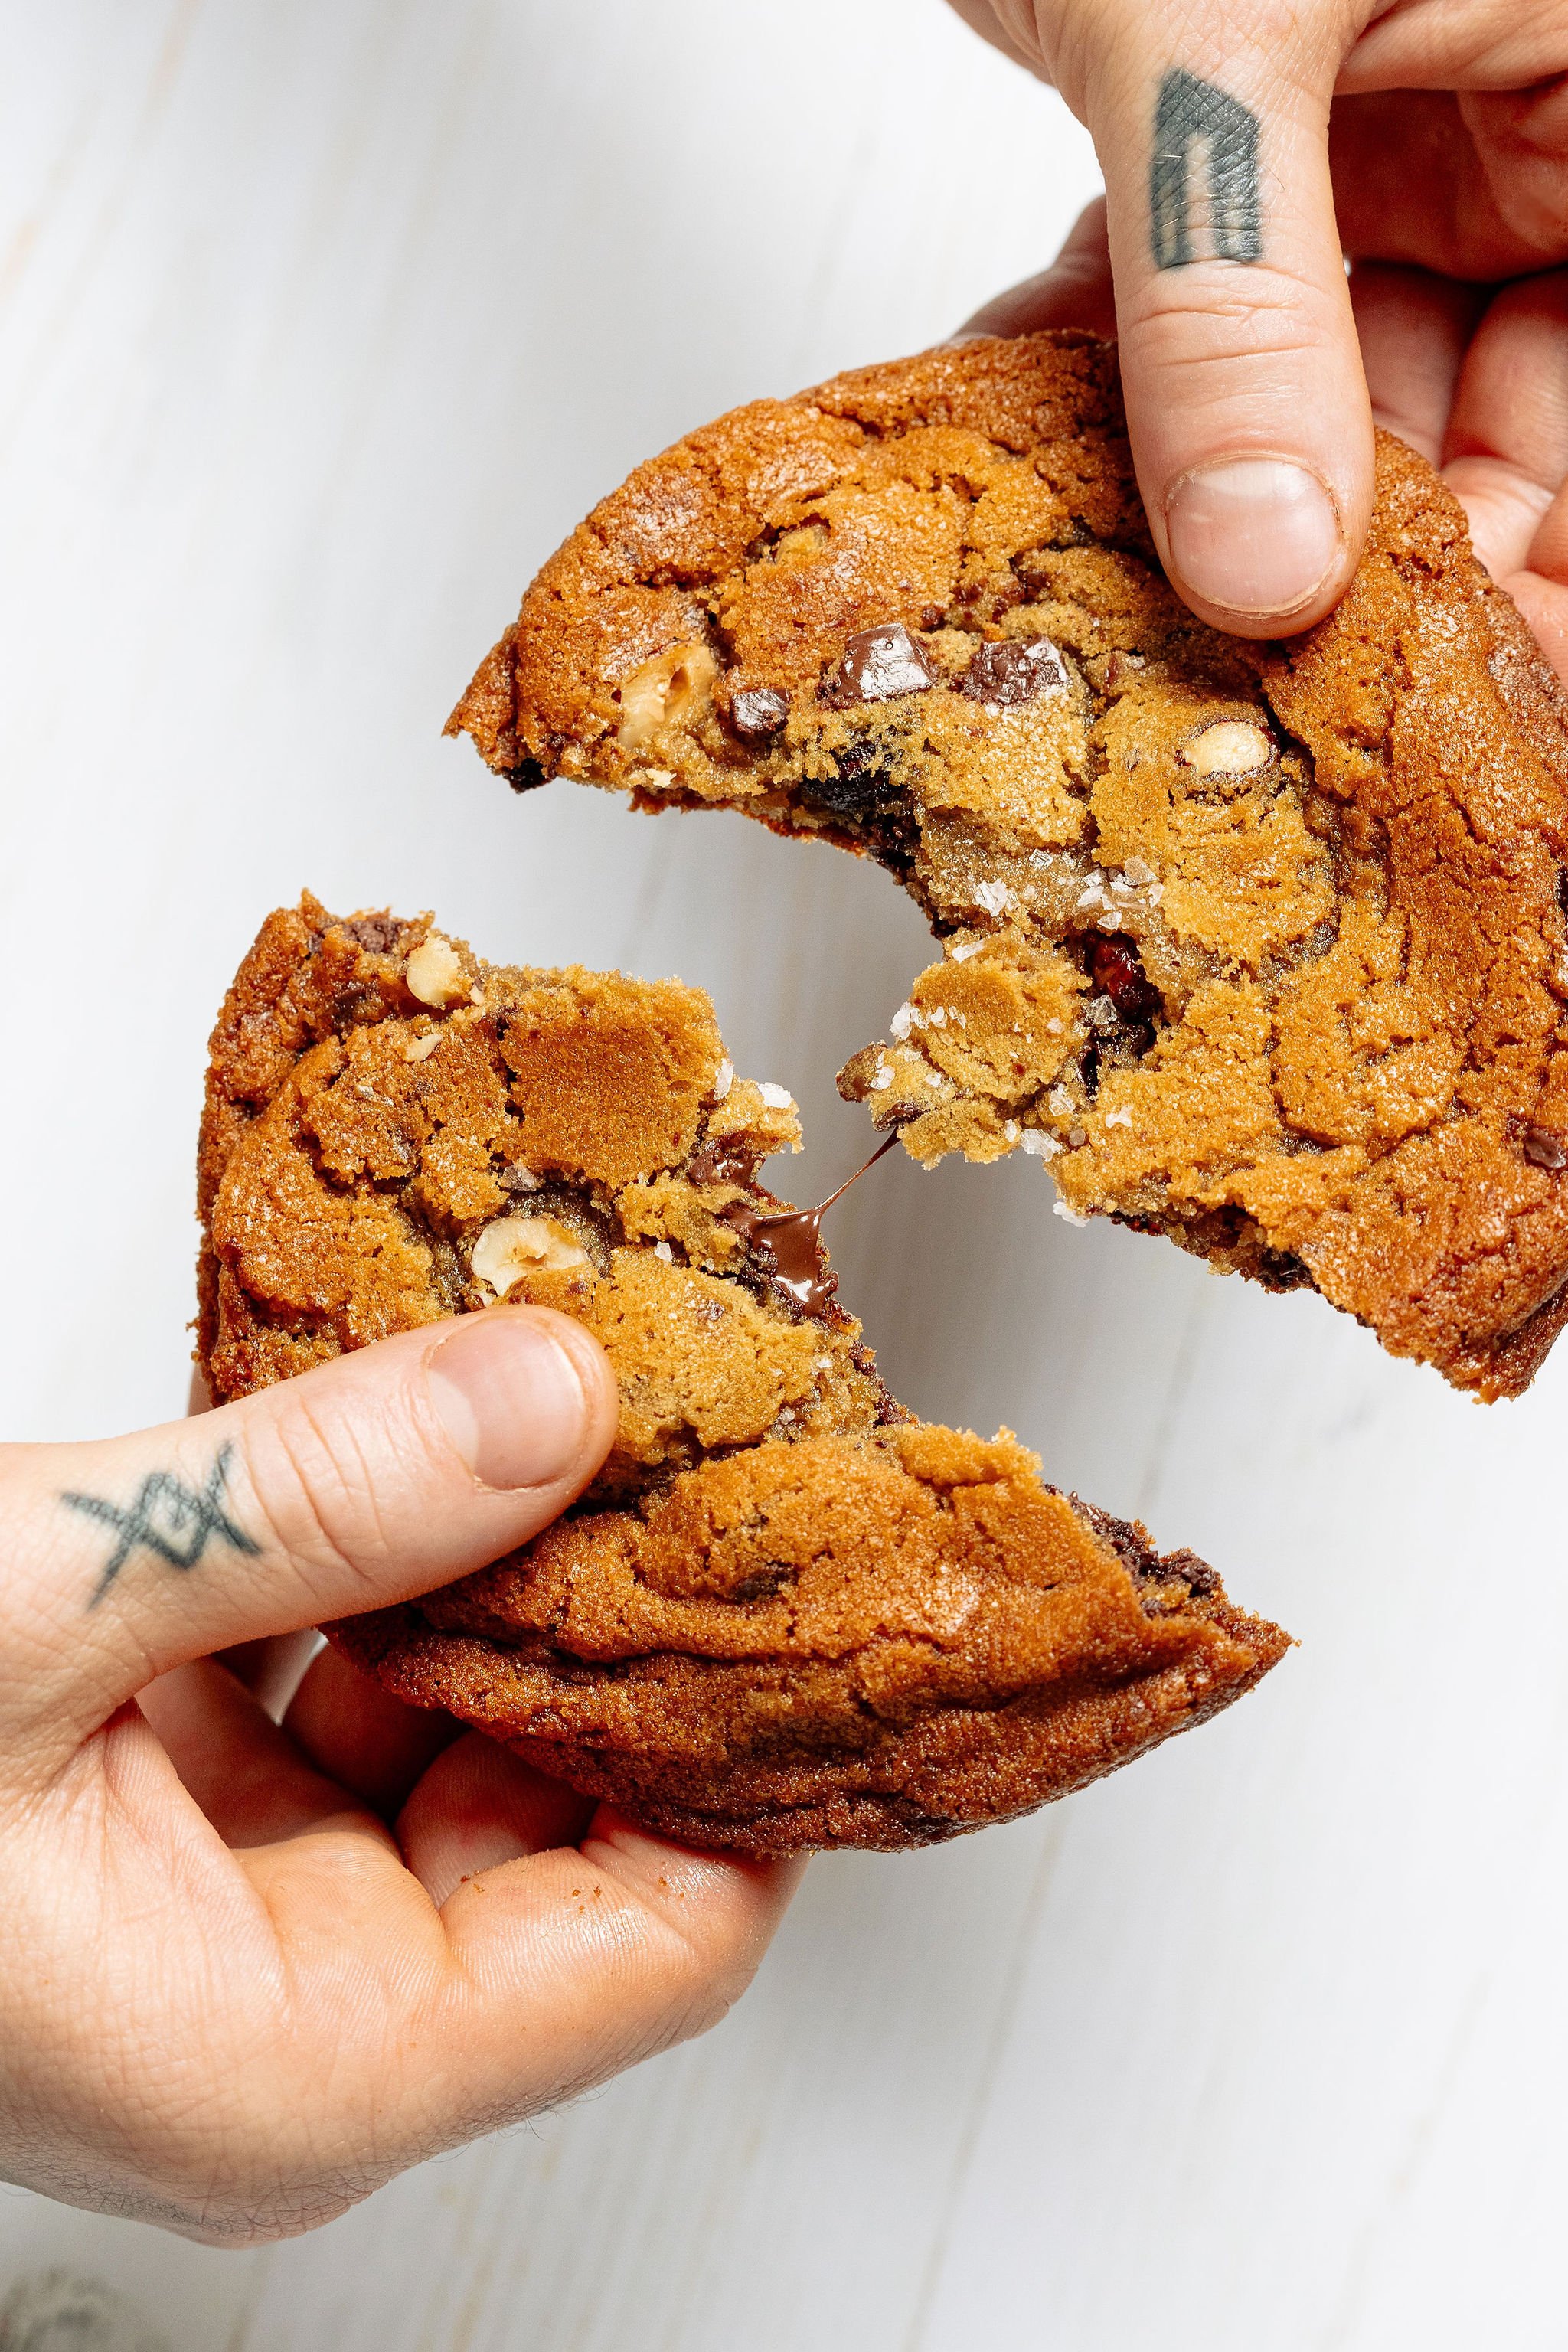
[
  {"x": 1247, "y": 408},
  {"x": 357, "y": 1485}
]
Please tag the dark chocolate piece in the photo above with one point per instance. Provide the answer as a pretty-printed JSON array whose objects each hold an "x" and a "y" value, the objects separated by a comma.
[
  {"x": 758, "y": 712},
  {"x": 1115, "y": 967},
  {"x": 793, "y": 1239},
  {"x": 1546, "y": 1149},
  {"x": 863, "y": 795},
  {"x": 1019, "y": 670},
  {"x": 377, "y": 934},
  {"x": 879, "y": 663},
  {"x": 726, "y": 1160},
  {"x": 791, "y": 1245}
]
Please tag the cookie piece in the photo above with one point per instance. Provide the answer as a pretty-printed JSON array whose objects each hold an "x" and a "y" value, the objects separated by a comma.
[
  {"x": 786, "y": 1613},
  {"x": 1258, "y": 946}
]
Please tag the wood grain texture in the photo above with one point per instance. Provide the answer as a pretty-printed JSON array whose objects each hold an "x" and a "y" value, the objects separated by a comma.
[{"x": 321, "y": 322}]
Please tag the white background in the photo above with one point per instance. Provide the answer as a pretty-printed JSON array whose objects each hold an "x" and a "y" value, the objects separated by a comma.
[{"x": 321, "y": 322}]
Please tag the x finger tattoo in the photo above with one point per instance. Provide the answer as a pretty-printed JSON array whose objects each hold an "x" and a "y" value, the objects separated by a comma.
[{"x": 168, "y": 1517}]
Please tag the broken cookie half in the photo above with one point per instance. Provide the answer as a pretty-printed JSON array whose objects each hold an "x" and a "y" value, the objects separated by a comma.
[
  {"x": 1260, "y": 946},
  {"x": 786, "y": 1613}
]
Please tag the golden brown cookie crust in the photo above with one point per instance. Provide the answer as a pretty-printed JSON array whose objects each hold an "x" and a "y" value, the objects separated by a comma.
[
  {"x": 786, "y": 1614},
  {"x": 1260, "y": 946}
]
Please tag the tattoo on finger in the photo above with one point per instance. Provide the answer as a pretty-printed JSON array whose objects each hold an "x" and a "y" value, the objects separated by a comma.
[
  {"x": 173, "y": 1521},
  {"x": 1202, "y": 179}
]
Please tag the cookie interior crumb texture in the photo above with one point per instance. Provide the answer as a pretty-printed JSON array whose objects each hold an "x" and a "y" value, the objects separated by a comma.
[
  {"x": 1257, "y": 946},
  {"x": 786, "y": 1614}
]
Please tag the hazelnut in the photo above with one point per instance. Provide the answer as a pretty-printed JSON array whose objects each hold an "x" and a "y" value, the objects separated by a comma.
[
  {"x": 668, "y": 691},
  {"x": 436, "y": 976},
  {"x": 514, "y": 1246},
  {"x": 1230, "y": 747}
]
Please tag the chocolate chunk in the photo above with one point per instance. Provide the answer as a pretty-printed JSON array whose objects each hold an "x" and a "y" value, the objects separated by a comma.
[
  {"x": 863, "y": 796},
  {"x": 1019, "y": 670},
  {"x": 1196, "y": 1574},
  {"x": 758, "y": 712},
  {"x": 1281, "y": 1270},
  {"x": 352, "y": 1005},
  {"x": 1114, "y": 966},
  {"x": 1546, "y": 1149},
  {"x": 931, "y": 616},
  {"x": 882, "y": 662},
  {"x": 526, "y": 776},
  {"x": 725, "y": 1160},
  {"x": 1123, "y": 1015},
  {"x": 377, "y": 934}
]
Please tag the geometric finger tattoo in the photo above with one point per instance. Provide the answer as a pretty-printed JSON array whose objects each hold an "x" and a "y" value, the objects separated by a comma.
[
  {"x": 1203, "y": 176},
  {"x": 168, "y": 1518}
]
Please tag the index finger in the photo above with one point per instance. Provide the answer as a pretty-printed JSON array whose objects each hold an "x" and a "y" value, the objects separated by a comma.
[{"x": 1246, "y": 406}]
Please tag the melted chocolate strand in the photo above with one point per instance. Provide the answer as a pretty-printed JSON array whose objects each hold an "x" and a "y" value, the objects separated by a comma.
[{"x": 793, "y": 1238}]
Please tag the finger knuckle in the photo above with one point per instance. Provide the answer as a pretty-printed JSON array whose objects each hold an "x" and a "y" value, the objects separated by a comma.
[{"x": 320, "y": 1492}]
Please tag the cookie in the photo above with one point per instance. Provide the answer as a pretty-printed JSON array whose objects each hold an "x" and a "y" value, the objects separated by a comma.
[
  {"x": 786, "y": 1614},
  {"x": 1257, "y": 946}
]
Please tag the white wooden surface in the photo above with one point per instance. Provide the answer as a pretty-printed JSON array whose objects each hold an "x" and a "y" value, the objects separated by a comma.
[{"x": 321, "y": 320}]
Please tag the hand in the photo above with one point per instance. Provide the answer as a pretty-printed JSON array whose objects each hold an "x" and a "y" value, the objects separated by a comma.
[
  {"x": 252, "y": 1970},
  {"x": 1230, "y": 134}
]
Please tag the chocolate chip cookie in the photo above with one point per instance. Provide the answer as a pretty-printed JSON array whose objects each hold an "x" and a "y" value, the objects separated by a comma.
[
  {"x": 786, "y": 1613},
  {"x": 1257, "y": 946}
]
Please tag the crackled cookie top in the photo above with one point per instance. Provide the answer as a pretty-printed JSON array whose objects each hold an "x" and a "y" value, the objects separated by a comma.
[
  {"x": 1260, "y": 946},
  {"x": 786, "y": 1614}
]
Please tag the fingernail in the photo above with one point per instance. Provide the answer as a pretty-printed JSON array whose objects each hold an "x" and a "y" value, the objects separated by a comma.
[
  {"x": 1253, "y": 535},
  {"x": 511, "y": 1398}
]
